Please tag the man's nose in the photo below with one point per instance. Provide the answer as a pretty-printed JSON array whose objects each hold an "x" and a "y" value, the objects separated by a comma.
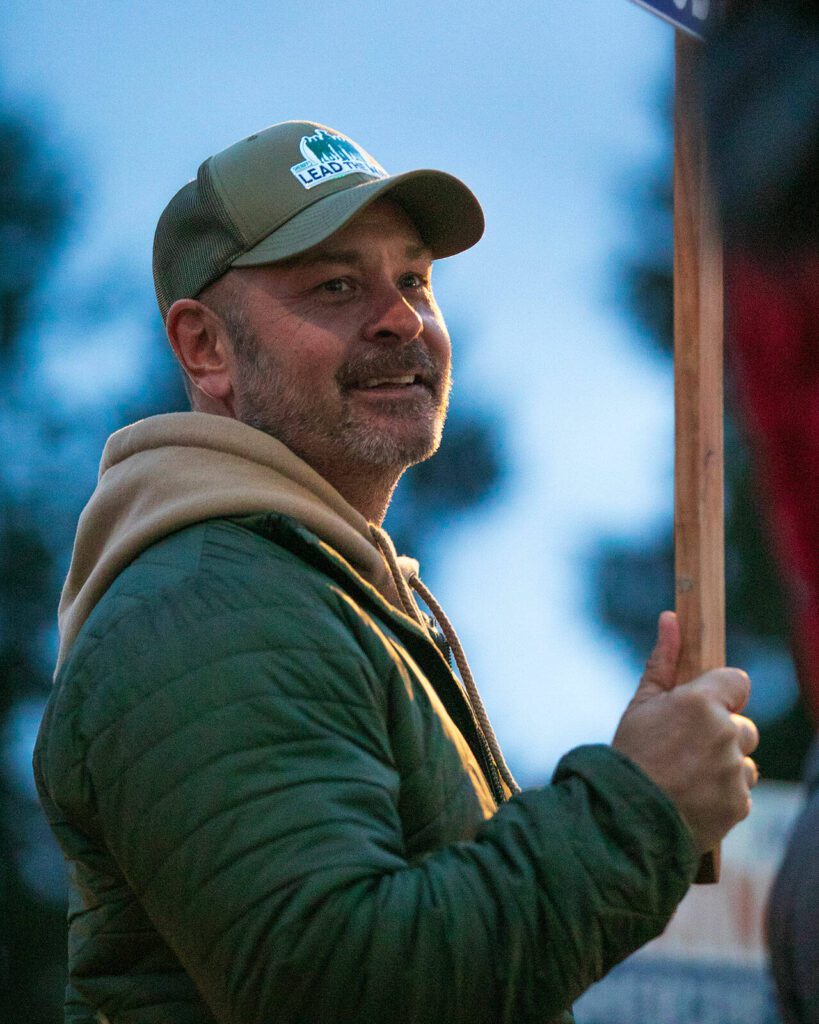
[{"x": 392, "y": 317}]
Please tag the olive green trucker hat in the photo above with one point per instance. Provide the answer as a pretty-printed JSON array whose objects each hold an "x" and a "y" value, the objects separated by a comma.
[{"x": 280, "y": 192}]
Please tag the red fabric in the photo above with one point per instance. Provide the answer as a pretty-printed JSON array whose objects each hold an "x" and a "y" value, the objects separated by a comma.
[{"x": 774, "y": 352}]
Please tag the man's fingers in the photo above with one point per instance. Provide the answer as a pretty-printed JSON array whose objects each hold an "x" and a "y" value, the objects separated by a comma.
[
  {"x": 692, "y": 740},
  {"x": 747, "y": 734},
  {"x": 731, "y": 687},
  {"x": 661, "y": 667}
]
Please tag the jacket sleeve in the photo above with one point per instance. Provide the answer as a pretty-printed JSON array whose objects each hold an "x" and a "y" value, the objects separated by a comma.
[{"x": 248, "y": 790}]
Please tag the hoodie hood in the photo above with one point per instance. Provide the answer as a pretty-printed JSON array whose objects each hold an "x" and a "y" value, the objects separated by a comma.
[{"x": 167, "y": 472}]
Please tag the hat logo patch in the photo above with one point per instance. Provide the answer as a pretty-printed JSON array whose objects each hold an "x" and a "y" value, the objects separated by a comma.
[{"x": 328, "y": 156}]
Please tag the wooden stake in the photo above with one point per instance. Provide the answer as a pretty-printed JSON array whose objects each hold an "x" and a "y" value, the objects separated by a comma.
[{"x": 698, "y": 394}]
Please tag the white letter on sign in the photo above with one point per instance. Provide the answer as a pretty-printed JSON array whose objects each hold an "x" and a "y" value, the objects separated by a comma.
[{"x": 699, "y": 8}]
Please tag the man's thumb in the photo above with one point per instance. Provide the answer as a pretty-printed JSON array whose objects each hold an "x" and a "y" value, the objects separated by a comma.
[{"x": 661, "y": 667}]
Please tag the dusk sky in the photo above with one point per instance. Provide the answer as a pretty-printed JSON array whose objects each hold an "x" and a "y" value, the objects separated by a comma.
[{"x": 551, "y": 112}]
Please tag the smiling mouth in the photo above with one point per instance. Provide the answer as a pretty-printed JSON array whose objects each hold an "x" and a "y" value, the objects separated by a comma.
[
  {"x": 410, "y": 371},
  {"x": 405, "y": 380},
  {"x": 394, "y": 385}
]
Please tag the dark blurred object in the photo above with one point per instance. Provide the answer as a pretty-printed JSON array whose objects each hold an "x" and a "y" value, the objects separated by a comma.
[
  {"x": 35, "y": 207},
  {"x": 762, "y": 111},
  {"x": 35, "y": 212},
  {"x": 762, "y": 87},
  {"x": 774, "y": 349},
  {"x": 762, "y": 99},
  {"x": 793, "y": 921}
]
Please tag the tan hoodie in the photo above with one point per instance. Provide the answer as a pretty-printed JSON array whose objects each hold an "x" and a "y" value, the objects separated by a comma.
[{"x": 167, "y": 472}]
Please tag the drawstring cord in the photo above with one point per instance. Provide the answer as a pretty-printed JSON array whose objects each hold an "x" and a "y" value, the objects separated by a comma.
[
  {"x": 468, "y": 680},
  {"x": 485, "y": 730},
  {"x": 387, "y": 548}
]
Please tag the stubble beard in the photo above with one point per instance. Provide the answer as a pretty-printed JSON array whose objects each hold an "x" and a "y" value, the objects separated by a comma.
[{"x": 268, "y": 401}]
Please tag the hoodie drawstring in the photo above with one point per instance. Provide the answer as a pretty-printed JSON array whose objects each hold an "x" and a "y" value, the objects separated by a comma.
[
  {"x": 385, "y": 545},
  {"x": 468, "y": 680},
  {"x": 485, "y": 730}
]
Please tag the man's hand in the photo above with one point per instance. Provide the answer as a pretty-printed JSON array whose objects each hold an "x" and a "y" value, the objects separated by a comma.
[{"x": 691, "y": 739}]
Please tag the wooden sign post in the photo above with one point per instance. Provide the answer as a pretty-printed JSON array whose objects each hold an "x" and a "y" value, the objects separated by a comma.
[
  {"x": 698, "y": 387},
  {"x": 698, "y": 394}
]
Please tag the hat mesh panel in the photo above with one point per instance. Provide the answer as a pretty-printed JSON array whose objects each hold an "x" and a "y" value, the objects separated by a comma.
[{"x": 195, "y": 242}]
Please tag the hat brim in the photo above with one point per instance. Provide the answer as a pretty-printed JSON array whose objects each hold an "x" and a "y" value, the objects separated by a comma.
[{"x": 447, "y": 215}]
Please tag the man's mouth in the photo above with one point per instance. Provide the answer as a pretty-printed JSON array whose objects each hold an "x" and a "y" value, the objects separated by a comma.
[
  {"x": 394, "y": 385},
  {"x": 404, "y": 380},
  {"x": 408, "y": 374}
]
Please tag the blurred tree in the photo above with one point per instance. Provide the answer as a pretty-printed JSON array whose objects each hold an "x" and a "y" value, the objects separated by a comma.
[
  {"x": 633, "y": 577},
  {"x": 35, "y": 208},
  {"x": 54, "y": 447}
]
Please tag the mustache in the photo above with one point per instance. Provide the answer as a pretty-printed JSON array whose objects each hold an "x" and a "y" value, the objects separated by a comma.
[{"x": 413, "y": 358}]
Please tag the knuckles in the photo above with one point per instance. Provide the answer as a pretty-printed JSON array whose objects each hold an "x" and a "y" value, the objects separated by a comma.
[
  {"x": 691, "y": 701},
  {"x": 733, "y": 686},
  {"x": 696, "y": 708},
  {"x": 747, "y": 733},
  {"x": 742, "y": 808}
]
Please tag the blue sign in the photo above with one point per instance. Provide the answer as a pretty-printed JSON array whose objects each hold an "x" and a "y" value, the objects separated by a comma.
[{"x": 693, "y": 16}]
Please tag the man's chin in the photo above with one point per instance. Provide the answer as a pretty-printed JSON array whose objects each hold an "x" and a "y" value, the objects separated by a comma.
[{"x": 387, "y": 446}]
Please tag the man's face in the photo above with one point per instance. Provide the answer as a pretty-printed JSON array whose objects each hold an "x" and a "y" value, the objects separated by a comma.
[{"x": 342, "y": 353}]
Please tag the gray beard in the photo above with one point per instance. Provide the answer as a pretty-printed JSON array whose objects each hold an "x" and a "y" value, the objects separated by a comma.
[
  {"x": 349, "y": 438},
  {"x": 272, "y": 405}
]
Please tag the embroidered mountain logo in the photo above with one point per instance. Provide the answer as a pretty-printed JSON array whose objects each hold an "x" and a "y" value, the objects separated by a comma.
[{"x": 329, "y": 156}]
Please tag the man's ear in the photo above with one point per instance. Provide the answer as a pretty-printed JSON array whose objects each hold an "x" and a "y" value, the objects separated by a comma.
[{"x": 199, "y": 341}]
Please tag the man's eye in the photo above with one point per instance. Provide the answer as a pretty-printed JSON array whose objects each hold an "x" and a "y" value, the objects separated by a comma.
[
  {"x": 336, "y": 284},
  {"x": 413, "y": 281}
]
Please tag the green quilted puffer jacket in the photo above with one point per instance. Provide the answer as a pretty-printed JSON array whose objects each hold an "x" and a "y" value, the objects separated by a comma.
[
  {"x": 273, "y": 796},
  {"x": 273, "y": 801}
]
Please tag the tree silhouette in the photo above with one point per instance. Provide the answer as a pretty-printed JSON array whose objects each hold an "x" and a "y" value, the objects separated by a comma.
[
  {"x": 35, "y": 209},
  {"x": 633, "y": 577},
  {"x": 52, "y": 451}
]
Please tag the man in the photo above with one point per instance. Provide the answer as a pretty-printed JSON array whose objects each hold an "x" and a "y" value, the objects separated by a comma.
[{"x": 276, "y": 799}]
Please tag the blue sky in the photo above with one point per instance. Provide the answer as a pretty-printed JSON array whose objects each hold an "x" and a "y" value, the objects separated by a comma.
[{"x": 549, "y": 111}]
